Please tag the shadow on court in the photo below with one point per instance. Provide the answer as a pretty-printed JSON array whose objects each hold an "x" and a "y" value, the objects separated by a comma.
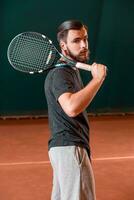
[{"x": 25, "y": 171}]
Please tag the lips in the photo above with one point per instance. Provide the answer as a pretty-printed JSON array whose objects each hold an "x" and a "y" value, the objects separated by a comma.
[{"x": 83, "y": 52}]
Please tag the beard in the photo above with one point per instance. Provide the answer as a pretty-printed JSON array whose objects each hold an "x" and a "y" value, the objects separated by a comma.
[{"x": 82, "y": 56}]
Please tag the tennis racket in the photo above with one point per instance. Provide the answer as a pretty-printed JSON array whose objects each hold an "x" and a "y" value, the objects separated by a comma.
[{"x": 32, "y": 52}]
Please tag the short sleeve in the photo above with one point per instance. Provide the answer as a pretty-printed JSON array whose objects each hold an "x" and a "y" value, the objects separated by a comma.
[{"x": 62, "y": 82}]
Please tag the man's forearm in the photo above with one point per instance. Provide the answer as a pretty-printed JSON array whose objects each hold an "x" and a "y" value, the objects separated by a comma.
[{"x": 79, "y": 101}]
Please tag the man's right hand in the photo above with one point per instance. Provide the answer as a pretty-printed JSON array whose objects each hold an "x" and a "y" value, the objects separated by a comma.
[{"x": 98, "y": 72}]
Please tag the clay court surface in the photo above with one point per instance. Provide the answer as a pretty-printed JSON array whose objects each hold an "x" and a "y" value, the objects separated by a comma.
[{"x": 25, "y": 171}]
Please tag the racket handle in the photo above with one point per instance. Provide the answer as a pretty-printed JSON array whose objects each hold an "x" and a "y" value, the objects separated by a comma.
[{"x": 83, "y": 66}]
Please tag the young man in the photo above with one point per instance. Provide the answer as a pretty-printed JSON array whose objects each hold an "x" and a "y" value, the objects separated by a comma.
[{"x": 67, "y": 100}]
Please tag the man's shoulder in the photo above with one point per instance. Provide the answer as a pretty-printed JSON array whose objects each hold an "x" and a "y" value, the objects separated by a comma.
[{"x": 60, "y": 71}]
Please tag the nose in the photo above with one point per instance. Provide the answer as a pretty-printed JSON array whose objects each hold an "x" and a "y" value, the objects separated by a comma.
[{"x": 83, "y": 44}]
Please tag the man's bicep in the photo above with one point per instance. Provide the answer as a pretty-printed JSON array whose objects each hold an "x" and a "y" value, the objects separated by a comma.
[
  {"x": 62, "y": 83},
  {"x": 64, "y": 101}
]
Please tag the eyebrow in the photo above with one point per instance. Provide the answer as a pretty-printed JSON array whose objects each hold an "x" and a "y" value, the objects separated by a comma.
[{"x": 79, "y": 38}]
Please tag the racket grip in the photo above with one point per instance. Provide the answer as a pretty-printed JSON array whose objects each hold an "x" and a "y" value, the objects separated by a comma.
[{"x": 83, "y": 66}]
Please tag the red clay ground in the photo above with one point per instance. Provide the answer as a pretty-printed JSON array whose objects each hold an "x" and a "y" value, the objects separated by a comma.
[{"x": 25, "y": 171}]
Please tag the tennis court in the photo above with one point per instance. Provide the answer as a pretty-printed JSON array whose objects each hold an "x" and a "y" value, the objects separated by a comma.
[{"x": 25, "y": 171}]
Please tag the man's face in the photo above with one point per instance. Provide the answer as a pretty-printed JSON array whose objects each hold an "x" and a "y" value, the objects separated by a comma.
[{"x": 76, "y": 45}]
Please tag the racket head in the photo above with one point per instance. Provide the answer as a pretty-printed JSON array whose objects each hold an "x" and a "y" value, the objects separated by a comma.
[{"x": 31, "y": 52}]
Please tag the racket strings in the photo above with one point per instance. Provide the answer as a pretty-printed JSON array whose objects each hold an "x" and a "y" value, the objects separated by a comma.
[
  {"x": 31, "y": 52},
  {"x": 29, "y": 47}
]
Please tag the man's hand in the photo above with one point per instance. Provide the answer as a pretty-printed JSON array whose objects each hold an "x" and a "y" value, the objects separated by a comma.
[{"x": 98, "y": 71}]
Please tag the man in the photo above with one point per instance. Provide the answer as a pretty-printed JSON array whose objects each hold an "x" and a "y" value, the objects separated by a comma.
[{"x": 67, "y": 100}]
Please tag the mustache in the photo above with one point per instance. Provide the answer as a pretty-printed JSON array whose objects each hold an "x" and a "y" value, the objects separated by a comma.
[{"x": 85, "y": 51}]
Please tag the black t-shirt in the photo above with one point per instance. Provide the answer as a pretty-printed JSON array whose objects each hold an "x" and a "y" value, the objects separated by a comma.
[{"x": 65, "y": 130}]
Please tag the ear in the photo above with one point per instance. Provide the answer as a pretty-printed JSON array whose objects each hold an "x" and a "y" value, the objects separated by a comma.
[{"x": 63, "y": 46}]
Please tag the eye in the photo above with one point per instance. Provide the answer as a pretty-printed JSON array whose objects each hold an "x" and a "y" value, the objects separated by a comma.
[
  {"x": 77, "y": 40},
  {"x": 85, "y": 39}
]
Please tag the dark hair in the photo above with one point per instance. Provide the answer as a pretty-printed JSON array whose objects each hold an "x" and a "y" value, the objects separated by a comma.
[{"x": 66, "y": 26}]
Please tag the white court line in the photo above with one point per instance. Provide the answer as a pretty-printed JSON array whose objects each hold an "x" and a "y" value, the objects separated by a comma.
[
  {"x": 48, "y": 162},
  {"x": 113, "y": 158},
  {"x": 26, "y": 163}
]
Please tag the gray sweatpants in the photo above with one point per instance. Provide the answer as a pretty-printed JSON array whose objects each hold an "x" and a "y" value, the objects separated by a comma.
[{"x": 73, "y": 177}]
